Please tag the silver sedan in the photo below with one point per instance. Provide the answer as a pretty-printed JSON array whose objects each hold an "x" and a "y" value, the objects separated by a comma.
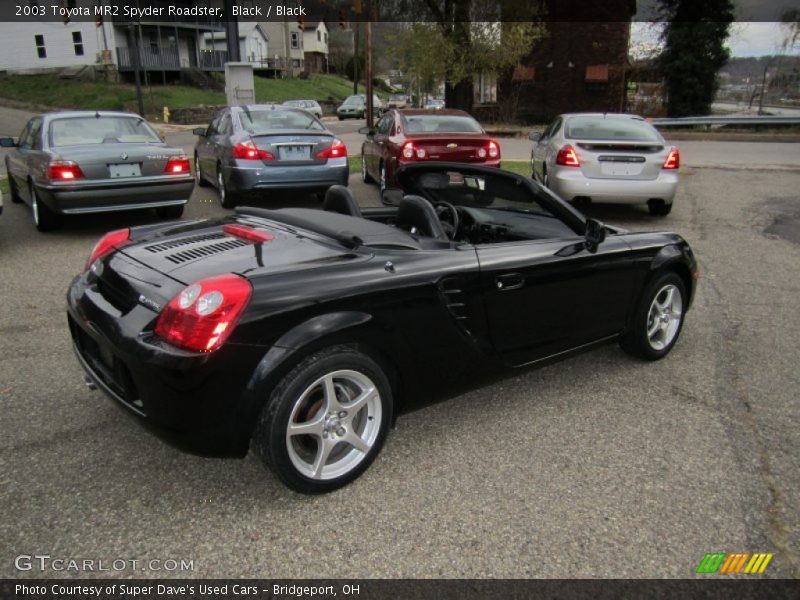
[
  {"x": 77, "y": 162},
  {"x": 609, "y": 158}
]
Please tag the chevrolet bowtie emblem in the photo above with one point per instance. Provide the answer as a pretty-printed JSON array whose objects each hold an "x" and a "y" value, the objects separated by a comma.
[{"x": 451, "y": 145}]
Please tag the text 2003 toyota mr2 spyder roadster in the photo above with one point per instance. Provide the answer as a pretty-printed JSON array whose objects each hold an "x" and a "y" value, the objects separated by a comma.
[{"x": 305, "y": 331}]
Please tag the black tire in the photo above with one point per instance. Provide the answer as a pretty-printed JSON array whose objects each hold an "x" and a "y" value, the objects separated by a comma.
[
  {"x": 365, "y": 176},
  {"x": 659, "y": 209},
  {"x": 226, "y": 198},
  {"x": 270, "y": 435},
  {"x": 636, "y": 340},
  {"x": 198, "y": 174},
  {"x": 170, "y": 212},
  {"x": 43, "y": 218}
]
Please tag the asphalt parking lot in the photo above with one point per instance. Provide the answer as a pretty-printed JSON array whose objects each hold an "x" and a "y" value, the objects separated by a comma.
[{"x": 600, "y": 466}]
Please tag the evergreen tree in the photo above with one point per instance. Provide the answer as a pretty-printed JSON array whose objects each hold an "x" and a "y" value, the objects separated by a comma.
[{"x": 694, "y": 51}]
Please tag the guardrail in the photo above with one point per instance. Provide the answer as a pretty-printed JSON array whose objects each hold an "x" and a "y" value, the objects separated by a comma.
[{"x": 720, "y": 120}]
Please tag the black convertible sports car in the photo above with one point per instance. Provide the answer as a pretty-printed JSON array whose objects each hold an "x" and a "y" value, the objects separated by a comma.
[{"x": 304, "y": 332}]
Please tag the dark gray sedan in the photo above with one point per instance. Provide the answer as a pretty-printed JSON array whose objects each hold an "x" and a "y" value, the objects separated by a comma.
[
  {"x": 250, "y": 150},
  {"x": 88, "y": 162}
]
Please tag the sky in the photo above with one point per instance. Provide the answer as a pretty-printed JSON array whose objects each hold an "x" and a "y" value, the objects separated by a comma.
[{"x": 746, "y": 38}]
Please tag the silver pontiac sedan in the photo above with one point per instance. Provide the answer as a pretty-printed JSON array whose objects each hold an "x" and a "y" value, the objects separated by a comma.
[
  {"x": 77, "y": 162},
  {"x": 611, "y": 158},
  {"x": 248, "y": 151}
]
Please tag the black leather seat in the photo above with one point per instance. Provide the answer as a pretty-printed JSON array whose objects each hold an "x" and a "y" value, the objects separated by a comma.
[
  {"x": 339, "y": 199},
  {"x": 417, "y": 215}
]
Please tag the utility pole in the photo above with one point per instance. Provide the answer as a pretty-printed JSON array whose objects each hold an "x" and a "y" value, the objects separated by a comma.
[
  {"x": 232, "y": 33},
  {"x": 355, "y": 58},
  {"x": 370, "y": 108}
]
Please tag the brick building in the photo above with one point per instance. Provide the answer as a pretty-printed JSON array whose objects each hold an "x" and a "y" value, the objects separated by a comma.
[{"x": 580, "y": 65}]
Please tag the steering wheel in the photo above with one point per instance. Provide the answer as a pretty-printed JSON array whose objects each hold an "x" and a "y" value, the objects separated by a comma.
[{"x": 448, "y": 215}]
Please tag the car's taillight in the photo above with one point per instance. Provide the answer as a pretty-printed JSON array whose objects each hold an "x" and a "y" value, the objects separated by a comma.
[
  {"x": 178, "y": 164},
  {"x": 251, "y": 234},
  {"x": 673, "y": 160},
  {"x": 410, "y": 152},
  {"x": 492, "y": 150},
  {"x": 336, "y": 150},
  {"x": 567, "y": 157},
  {"x": 248, "y": 151},
  {"x": 108, "y": 243},
  {"x": 204, "y": 314},
  {"x": 64, "y": 170}
]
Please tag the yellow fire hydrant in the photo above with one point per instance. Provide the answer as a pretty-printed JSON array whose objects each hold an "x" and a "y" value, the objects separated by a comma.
[{"x": 166, "y": 114}]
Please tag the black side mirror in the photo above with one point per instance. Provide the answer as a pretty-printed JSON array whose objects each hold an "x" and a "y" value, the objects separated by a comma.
[
  {"x": 367, "y": 131},
  {"x": 201, "y": 131},
  {"x": 7, "y": 142},
  {"x": 535, "y": 136},
  {"x": 595, "y": 234}
]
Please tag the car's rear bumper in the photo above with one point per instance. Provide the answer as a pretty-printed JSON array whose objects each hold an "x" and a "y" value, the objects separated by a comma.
[
  {"x": 242, "y": 178},
  {"x": 106, "y": 196},
  {"x": 189, "y": 400},
  {"x": 570, "y": 183}
]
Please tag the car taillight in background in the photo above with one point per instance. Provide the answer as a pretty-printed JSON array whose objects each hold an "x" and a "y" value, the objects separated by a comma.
[
  {"x": 567, "y": 157},
  {"x": 248, "y": 151},
  {"x": 336, "y": 150},
  {"x": 108, "y": 243},
  {"x": 492, "y": 150},
  {"x": 64, "y": 170},
  {"x": 410, "y": 152},
  {"x": 673, "y": 160},
  {"x": 178, "y": 164},
  {"x": 204, "y": 314}
]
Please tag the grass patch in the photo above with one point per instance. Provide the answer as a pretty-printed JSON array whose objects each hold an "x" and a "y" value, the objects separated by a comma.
[
  {"x": 4, "y": 186},
  {"x": 98, "y": 95}
]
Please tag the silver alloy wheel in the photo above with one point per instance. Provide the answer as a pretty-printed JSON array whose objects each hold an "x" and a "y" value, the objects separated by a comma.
[
  {"x": 35, "y": 207},
  {"x": 197, "y": 174},
  {"x": 664, "y": 317},
  {"x": 334, "y": 424},
  {"x": 363, "y": 168},
  {"x": 383, "y": 178},
  {"x": 221, "y": 186}
]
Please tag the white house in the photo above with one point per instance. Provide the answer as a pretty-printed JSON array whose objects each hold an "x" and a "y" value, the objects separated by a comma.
[
  {"x": 315, "y": 46},
  {"x": 253, "y": 42}
]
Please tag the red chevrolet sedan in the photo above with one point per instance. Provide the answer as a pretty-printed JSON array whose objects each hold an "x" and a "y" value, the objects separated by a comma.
[{"x": 415, "y": 135}]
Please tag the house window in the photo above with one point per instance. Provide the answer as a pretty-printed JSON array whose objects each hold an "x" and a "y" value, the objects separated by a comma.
[
  {"x": 326, "y": 38},
  {"x": 40, "y": 49},
  {"x": 319, "y": 35},
  {"x": 77, "y": 43},
  {"x": 295, "y": 40}
]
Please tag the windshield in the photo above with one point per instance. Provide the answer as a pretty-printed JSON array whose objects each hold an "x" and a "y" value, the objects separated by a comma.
[
  {"x": 397, "y": 97},
  {"x": 81, "y": 131},
  {"x": 353, "y": 100},
  {"x": 610, "y": 128},
  {"x": 258, "y": 121},
  {"x": 441, "y": 123}
]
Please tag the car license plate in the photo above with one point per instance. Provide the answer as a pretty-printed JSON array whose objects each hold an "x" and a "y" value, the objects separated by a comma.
[
  {"x": 295, "y": 152},
  {"x": 615, "y": 168},
  {"x": 124, "y": 170}
]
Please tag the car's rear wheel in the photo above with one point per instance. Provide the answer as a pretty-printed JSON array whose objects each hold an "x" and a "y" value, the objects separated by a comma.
[
  {"x": 198, "y": 173},
  {"x": 43, "y": 218},
  {"x": 170, "y": 212},
  {"x": 365, "y": 176},
  {"x": 326, "y": 421},
  {"x": 659, "y": 209},
  {"x": 226, "y": 198},
  {"x": 658, "y": 320}
]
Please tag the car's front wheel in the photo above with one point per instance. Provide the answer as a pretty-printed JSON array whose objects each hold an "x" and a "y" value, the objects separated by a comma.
[
  {"x": 658, "y": 320},
  {"x": 12, "y": 188},
  {"x": 198, "y": 173},
  {"x": 226, "y": 198},
  {"x": 365, "y": 176},
  {"x": 326, "y": 421},
  {"x": 44, "y": 218}
]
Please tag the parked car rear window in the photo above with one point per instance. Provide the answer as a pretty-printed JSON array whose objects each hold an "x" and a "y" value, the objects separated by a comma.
[
  {"x": 441, "y": 124},
  {"x": 255, "y": 121},
  {"x": 599, "y": 128},
  {"x": 81, "y": 131}
]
